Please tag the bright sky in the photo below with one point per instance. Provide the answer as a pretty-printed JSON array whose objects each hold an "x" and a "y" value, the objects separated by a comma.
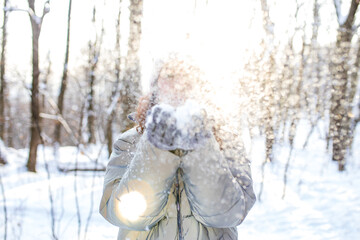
[{"x": 219, "y": 33}]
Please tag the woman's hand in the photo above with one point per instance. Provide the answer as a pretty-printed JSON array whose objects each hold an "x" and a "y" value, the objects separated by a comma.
[
  {"x": 161, "y": 127},
  {"x": 172, "y": 128}
]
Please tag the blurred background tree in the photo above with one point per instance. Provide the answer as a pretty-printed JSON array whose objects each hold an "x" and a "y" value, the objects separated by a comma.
[{"x": 284, "y": 67}]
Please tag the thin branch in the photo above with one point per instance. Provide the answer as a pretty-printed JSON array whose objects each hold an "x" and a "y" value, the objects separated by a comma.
[
  {"x": 92, "y": 193},
  {"x": 351, "y": 15},
  {"x": 286, "y": 171},
  {"x": 298, "y": 7},
  {"x": 46, "y": 9},
  {"x": 313, "y": 125},
  {"x": 267, "y": 23},
  {"x": 60, "y": 118},
  {"x": 61, "y": 210},
  {"x": 262, "y": 178},
  {"x": 16, "y": 9},
  {"x": 4, "y": 207},
  {"x": 28, "y": 11},
  {"x": 66, "y": 170},
  {"x": 76, "y": 194},
  {"x": 31, "y": 12},
  {"x": 337, "y": 5},
  {"x": 51, "y": 198}
]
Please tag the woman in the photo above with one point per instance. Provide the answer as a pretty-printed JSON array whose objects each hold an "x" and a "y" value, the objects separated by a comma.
[{"x": 171, "y": 177}]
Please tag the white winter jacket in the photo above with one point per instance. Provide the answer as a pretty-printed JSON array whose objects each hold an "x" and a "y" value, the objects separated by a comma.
[{"x": 151, "y": 193}]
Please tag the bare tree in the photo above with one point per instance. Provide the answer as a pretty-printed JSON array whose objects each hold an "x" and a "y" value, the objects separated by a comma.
[
  {"x": 267, "y": 86},
  {"x": 64, "y": 79},
  {"x": 130, "y": 90},
  {"x": 4, "y": 207},
  {"x": 354, "y": 82},
  {"x": 340, "y": 109},
  {"x": 94, "y": 54},
  {"x": 2, "y": 71},
  {"x": 294, "y": 93},
  {"x": 36, "y": 23},
  {"x": 309, "y": 53},
  {"x": 45, "y": 81},
  {"x": 268, "y": 82},
  {"x": 115, "y": 93}
]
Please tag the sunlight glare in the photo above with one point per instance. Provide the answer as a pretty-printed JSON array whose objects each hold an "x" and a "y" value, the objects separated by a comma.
[{"x": 132, "y": 205}]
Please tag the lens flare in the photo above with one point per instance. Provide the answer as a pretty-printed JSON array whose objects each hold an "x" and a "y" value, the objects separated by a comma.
[{"x": 132, "y": 205}]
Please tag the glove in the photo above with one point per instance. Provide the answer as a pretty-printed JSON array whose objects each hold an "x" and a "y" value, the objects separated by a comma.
[
  {"x": 183, "y": 128},
  {"x": 161, "y": 127}
]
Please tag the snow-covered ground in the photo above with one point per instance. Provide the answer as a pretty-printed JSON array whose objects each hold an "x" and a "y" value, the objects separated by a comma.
[{"x": 320, "y": 202}]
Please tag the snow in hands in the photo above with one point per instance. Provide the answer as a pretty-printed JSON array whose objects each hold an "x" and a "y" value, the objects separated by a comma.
[{"x": 173, "y": 128}]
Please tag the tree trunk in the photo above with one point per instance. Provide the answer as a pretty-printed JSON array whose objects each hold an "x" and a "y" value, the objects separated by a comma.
[
  {"x": 109, "y": 134},
  {"x": 35, "y": 106},
  {"x": 353, "y": 88},
  {"x": 269, "y": 84},
  {"x": 2, "y": 159},
  {"x": 9, "y": 132},
  {"x": 35, "y": 111},
  {"x": 131, "y": 91},
  {"x": 269, "y": 104},
  {"x": 90, "y": 105},
  {"x": 317, "y": 60},
  {"x": 339, "y": 128},
  {"x": 81, "y": 122},
  {"x": 45, "y": 81},
  {"x": 60, "y": 103},
  {"x": 2, "y": 74},
  {"x": 339, "y": 117},
  {"x": 94, "y": 54}
]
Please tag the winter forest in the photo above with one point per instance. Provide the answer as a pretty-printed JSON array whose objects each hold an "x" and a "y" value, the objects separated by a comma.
[{"x": 284, "y": 74}]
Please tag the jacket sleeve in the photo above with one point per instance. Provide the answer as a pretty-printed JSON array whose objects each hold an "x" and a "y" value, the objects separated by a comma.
[
  {"x": 220, "y": 194},
  {"x": 122, "y": 153},
  {"x": 137, "y": 197}
]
